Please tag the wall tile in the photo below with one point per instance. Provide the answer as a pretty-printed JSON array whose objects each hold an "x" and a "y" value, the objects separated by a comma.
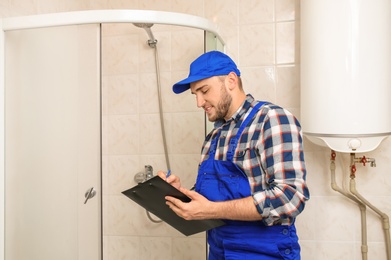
[
  {"x": 22, "y": 7},
  {"x": 288, "y": 89},
  {"x": 119, "y": 56},
  {"x": 123, "y": 135},
  {"x": 187, "y": 7},
  {"x": 186, "y": 46},
  {"x": 121, "y": 248},
  {"x": 186, "y": 166},
  {"x": 256, "y": 11},
  {"x": 222, "y": 12},
  {"x": 151, "y": 140},
  {"x": 161, "y": 248},
  {"x": 184, "y": 102},
  {"x": 256, "y": 45},
  {"x": 285, "y": 43},
  {"x": 121, "y": 172},
  {"x": 121, "y": 94},
  {"x": 189, "y": 248},
  {"x": 286, "y": 10},
  {"x": 260, "y": 82}
]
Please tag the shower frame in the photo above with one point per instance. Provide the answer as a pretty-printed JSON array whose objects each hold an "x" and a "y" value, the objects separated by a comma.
[{"x": 81, "y": 18}]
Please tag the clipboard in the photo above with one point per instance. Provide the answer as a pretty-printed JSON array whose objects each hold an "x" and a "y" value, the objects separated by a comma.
[{"x": 150, "y": 195}]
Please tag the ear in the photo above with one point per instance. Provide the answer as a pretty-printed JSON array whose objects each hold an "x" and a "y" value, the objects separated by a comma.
[{"x": 232, "y": 80}]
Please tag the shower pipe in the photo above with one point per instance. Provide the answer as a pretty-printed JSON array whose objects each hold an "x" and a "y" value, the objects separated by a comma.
[
  {"x": 152, "y": 42},
  {"x": 384, "y": 218},
  {"x": 362, "y": 207},
  {"x": 79, "y": 18}
]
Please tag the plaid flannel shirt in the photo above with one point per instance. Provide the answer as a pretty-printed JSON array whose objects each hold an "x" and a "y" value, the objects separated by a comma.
[{"x": 270, "y": 153}]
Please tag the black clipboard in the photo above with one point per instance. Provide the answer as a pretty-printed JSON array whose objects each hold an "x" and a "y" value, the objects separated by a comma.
[{"x": 150, "y": 195}]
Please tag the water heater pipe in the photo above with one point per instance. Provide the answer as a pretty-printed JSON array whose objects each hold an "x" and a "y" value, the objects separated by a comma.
[
  {"x": 383, "y": 216},
  {"x": 362, "y": 207}
]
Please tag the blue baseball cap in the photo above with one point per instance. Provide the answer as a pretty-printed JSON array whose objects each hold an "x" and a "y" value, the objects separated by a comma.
[{"x": 209, "y": 64}]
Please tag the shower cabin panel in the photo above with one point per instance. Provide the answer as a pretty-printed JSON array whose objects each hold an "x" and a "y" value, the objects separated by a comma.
[{"x": 52, "y": 144}]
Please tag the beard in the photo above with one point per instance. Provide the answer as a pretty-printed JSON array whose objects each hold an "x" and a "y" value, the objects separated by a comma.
[{"x": 223, "y": 105}]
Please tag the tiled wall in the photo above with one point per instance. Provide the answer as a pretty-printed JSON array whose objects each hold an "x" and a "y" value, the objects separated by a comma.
[
  {"x": 262, "y": 36},
  {"x": 132, "y": 135}
]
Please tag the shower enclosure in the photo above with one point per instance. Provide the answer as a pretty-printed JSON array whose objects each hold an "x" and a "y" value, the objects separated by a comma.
[{"x": 81, "y": 118}]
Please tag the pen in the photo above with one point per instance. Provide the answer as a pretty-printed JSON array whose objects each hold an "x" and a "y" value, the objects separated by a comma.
[{"x": 168, "y": 174}]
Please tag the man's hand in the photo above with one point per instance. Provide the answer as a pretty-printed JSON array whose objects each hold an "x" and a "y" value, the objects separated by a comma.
[
  {"x": 196, "y": 209},
  {"x": 172, "y": 179}
]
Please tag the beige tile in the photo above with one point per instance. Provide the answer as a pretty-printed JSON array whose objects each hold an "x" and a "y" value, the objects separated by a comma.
[
  {"x": 151, "y": 140},
  {"x": 105, "y": 135},
  {"x": 330, "y": 250},
  {"x": 188, "y": 132},
  {"x": 230, "y": 35},
  {"x": 287, "y": 10},
  {"x": 162, "y": 248},
  {"x": 256, "y": 45},
  {"x": 121, "y": 248},
  {"x": 127, "y": 218},
  {"x": 187, "y": 7},
  {"x": 333, "y": 227},
  {"x": 148, "y": 93},
  {"x": 288, "y": 89},
  {"x": 121, "y": 172},
  {"x": 105, "y": 95},
  {"x": 222, "y": 12},
  {"x": 256, "y": 11},
  {"x": 285, "y": 43},
  {"x": 5, "y": 7},
  {"x": 123, "y": 132},
  {"x": 118, "y": 4},
  {"x": 105, "y": 175},
  {"x": 186, "y": 167},
  {"x": 184, "y": 102},
  {"x": 98, "y": 4},
  {"x": 260, "y": 82},
  {"x": 23, "y": 7},
  {"x": 122, "y": 94},
  {"x": 189, "y": 248},
  {"x": 375, "y": 251},
  {"x": 188, "y": 45},
  {"x": 120, "y": 54},
  {"x": 155, "y": 5}
]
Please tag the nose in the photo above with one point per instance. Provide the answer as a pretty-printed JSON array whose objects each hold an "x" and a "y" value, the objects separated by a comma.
[{"x": 200, "y": 101}]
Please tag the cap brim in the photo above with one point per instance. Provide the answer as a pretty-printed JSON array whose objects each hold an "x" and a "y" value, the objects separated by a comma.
[{"x": 184, "y": 85}]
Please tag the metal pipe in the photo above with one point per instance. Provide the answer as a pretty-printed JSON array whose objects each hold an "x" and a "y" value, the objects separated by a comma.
[
  {"x": 152, "y": 42},
  {"x": 383, "y": 216},
  {"x": 362, "y": 207}
]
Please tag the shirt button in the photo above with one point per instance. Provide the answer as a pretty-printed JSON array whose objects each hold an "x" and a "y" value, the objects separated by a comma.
[
  {"x": 287, "y": 251},
  {"x": 285, "y": 231}
]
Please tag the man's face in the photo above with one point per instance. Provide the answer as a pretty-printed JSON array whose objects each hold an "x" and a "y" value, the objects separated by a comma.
[{"x": 213, "y": 97}]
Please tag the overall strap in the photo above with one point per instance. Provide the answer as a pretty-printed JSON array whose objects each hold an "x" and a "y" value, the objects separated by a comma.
[{"x": 233, "y": 143}]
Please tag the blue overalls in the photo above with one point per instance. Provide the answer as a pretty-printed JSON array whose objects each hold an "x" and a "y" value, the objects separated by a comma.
[{"x": 241, "y": 240}]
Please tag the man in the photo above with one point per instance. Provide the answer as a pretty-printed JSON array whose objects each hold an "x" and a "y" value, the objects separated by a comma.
[{"x": 252, "y": 172}]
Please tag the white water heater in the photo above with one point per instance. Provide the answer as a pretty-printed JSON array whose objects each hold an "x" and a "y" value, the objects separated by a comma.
[{"x": 346, "y": 73}]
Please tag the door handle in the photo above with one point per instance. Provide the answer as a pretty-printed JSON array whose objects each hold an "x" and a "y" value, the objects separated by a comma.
[{"x": 90, "y": 193}]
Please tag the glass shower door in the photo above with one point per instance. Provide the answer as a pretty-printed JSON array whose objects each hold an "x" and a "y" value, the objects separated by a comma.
[{"x": 52, "y": 144}]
